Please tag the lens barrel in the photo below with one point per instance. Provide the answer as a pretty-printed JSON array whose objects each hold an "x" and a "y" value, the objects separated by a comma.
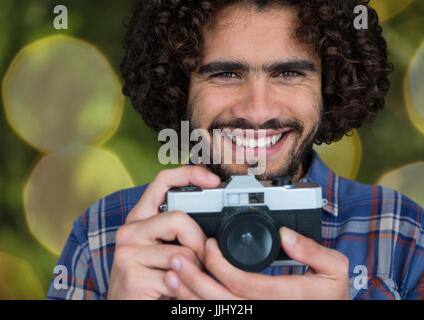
[{"x": 248, "y": 238}]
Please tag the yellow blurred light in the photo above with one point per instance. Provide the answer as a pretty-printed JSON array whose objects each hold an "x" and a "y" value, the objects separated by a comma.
[
  {"x": 343, "y": 157},
  {"x": 413, "y": 89},
  {"x": 408, "y": 180},
  {"x": 17, "y": 279},
  {"x": 61, "y": 90},
  {"x": 389, "y": 8},
  {"x": 63, "y": 184}
]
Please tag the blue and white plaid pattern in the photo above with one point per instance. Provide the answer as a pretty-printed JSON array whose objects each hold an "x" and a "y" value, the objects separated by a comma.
[{"x": 378, "y": 229}]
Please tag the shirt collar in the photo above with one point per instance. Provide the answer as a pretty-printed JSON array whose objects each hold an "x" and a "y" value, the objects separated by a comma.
[{"x": 319, "y": 173}]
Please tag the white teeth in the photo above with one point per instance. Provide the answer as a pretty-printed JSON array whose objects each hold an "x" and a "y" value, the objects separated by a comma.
[
  {"x": 268, "y": 142},
  {"x": 261, "y": 142},
  {"x": 252, "y": 143},
  {"x": 239, "y": 141},
  {"x": 264, "y": 142}
]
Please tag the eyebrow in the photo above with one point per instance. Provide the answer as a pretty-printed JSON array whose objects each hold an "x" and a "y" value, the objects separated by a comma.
[{"x": 240, "y": 66}]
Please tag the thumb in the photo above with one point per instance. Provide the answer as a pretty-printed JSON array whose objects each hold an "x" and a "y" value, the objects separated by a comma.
[{"x": 305, "y": 250}]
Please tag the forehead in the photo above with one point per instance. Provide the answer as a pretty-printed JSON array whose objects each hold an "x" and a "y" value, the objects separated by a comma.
[{"x": 244, "y": 33}]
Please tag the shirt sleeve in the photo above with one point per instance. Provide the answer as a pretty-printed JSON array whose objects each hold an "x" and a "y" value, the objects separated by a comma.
[{"x": 74, "y": 276}]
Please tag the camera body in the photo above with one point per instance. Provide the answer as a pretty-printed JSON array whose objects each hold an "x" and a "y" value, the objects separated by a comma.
[{"x": 245, "y": 214}]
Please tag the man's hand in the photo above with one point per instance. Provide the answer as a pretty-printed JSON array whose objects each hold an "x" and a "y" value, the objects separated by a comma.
[
  {"x": 141, "y": 258},
  {"x": 327, "y": 277}
]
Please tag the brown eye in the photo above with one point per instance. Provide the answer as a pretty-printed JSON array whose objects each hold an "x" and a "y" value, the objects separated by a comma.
[
  {"x": 225, "y": 75},
  {"x": 290, "y": 74}
]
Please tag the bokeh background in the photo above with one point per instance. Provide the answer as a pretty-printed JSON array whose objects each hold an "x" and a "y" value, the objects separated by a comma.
[{"x": 68, "y": 137}]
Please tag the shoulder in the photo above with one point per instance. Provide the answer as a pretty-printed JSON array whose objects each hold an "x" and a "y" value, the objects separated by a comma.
[
  {"x": 107, "y": 214},
  {"x": 365, "y": 200},
  {"x": 385, "y": 223},
  {"x": 385, "y": 233},
  {"x": 110, "y": 212},
  {"x": 88, "y": 252}
]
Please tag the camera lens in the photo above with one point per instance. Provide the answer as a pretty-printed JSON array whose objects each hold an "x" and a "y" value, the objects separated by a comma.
[
  {"x": 249, "y": 240},
  {"x": 249, "y": 243}
]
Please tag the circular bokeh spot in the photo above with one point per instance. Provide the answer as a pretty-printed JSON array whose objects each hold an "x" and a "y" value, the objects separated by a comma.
[
  {"x": 343, "y": 157},
  {"x": 414, "y": 89},
  {"x": 389, "y": 8},
  {"x": 17, "y": 280},
  {"x": 63, "y": 184},
  {"x": 61, "y": 90},
  {"x": 408, "y": 180}
]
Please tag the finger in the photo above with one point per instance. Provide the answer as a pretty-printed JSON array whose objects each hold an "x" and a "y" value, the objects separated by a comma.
[
  {"x": 166, "y": 226},
  {"x": 142, "y": 283},
  {"x": 156, "y": 256},
  {"x": 178, "y": 288},
  {"x": 155, "y": 279},
  {"x": 198, "y": 282},
  {"x": 155, "y": 193},
  {"x": 258, "y": 286},
  {"x": 252, "y": 285},
  {"x": 322, "y": 259}
]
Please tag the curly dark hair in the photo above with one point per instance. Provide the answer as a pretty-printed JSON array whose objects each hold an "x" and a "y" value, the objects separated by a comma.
[{"x": 163, "y": 43}]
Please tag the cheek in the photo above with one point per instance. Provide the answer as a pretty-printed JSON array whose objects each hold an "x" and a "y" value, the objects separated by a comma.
[
  {"x": 304, "y": 105},
  {"x": 210, "y": 104}
]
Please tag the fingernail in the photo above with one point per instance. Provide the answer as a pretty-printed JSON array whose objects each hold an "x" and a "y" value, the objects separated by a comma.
[
  {"x": 176, "y": 264},
  {"x": 213, "y": 178},
  {"x": 208, "y": 243},
  {"x": 173, "y": 281},
  {"x": 289, "y": 237}
]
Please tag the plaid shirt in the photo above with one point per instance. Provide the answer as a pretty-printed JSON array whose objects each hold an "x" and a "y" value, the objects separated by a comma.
[{"x": 378, "y": 229}]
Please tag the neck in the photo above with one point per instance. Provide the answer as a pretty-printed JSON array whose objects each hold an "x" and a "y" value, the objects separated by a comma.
[{"x": 305, "y": 163}]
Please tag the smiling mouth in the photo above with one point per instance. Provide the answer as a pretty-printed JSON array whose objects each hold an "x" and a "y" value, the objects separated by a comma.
[{"x": 255, "y": 140}]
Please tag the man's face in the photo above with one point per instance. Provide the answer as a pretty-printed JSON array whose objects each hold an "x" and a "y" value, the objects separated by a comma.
[{"x": 254, "y": 74}]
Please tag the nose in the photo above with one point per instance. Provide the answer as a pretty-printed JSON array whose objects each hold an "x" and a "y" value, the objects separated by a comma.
[{"x": 258, "y": 104}]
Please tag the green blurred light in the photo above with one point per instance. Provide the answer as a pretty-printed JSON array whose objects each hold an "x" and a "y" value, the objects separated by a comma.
[
  {"x": 387, "y": 9},
  {"x": 139, "y": 158},
  {"x": 63, "y": 184},
  {"x": 17, "y": 279}
]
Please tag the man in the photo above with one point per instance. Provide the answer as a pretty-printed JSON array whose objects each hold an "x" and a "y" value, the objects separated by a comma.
[{"x": 299, "y": 70}]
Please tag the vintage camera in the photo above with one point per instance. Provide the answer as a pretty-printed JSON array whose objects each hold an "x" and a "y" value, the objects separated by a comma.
[{"x": 244, "y": 215}]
